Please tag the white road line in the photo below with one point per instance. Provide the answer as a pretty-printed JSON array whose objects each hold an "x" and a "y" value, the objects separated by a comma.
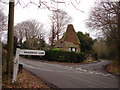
[
  {"x": 80, "y": 70},
  {"x": 85, "y": 70},
  {"x": 71, "y": 67}
]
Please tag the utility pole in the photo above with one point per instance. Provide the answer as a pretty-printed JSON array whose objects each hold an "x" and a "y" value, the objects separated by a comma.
[
  {"x": 118, "y": 42},
  {"x": 10, "y": 38}
]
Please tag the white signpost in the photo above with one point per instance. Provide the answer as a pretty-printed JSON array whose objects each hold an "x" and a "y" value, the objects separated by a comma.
[{"x": 24, "y": 52}]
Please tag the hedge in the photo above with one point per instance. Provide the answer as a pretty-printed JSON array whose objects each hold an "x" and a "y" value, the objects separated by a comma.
[
  {"x": 63, "y": 56},
  {"x": 60, "y": 56}
]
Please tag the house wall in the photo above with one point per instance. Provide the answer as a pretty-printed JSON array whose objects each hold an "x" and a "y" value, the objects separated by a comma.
[
  {"x": 78, "y": 48},
  {"x": 65, "y": 48}
]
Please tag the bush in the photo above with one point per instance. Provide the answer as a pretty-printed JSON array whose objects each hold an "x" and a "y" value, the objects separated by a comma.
[
  {"x": 60, "y": 56},
  {"x": 55, "y": 49},
  {"x": 63, "y": 56}
]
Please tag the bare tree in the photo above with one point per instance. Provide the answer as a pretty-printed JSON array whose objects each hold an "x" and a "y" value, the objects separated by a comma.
[
  {"x": 3, "y": 23},
  {"x": 19, "y": 32},
  {"x": 52, "y": 35},
  {"x": 41, "y": 32},
  {"x": 59, "y": 19},
  {"x": 105, "y": 17},
  {"x": 29, "y": 29}
]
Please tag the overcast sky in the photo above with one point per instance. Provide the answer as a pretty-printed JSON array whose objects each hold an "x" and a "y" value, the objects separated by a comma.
[{"x": 42, "y": 15}]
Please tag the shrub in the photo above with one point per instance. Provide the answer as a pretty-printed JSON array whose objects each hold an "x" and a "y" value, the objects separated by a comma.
[
  {"x": 60, "y": 56},
  {"x": 63, "y": 56},
  {"x": 56, "y": 49}
]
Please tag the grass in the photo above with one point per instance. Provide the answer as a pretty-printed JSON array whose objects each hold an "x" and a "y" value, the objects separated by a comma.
[{"x": 24, "y": 80}]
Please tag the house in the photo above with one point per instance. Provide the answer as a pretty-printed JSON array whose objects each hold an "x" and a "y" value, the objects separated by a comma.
[{"x": 69, "y": 41}]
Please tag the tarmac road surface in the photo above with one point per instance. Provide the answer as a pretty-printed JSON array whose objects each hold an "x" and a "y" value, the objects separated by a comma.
[
  {"x": 96, "y": 67},
  {"x": 70, "y": 77}
]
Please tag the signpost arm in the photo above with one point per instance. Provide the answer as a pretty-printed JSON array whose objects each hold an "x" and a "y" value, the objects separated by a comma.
[{"x": 23, "y": 52}]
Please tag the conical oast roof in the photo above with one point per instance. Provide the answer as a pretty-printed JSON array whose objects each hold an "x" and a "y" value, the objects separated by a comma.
[{"x": 71, "y": 35}]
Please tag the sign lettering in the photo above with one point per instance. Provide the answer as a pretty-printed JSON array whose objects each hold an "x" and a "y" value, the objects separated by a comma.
[{"x": 32, "y": 52}]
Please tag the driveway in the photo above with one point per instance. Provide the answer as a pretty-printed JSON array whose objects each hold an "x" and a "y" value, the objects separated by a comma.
[{"x": 69, "y": 76}]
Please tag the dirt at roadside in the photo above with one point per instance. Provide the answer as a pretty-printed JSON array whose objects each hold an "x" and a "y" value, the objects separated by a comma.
[{"x": 25, "y": 80}]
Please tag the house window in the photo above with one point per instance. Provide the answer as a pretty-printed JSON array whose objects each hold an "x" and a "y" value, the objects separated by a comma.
[
  {"x": 59, "y": 47},
  {"x": 73, "y": 49}
]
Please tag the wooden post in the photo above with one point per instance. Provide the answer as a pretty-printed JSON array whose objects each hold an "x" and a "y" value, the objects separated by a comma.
[
  {"x": 118, "y": 55},
  {"x": 10, "y": 38},
  {"x": 16, "y": 63},
  {"x": 23, "y": 52},
  {"x": 0, "y": 65}
]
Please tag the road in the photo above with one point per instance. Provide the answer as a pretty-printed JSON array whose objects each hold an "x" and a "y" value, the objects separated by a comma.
[
  {"x": 69, "y": 77},
  {"x": 95, "y": 67}
]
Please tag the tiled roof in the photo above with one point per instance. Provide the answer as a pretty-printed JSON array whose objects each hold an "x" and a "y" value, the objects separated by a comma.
[{"x": 70, "y": 36}]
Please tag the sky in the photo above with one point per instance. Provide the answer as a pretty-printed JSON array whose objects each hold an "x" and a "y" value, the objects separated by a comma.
[{"x": 42, "y": 15}]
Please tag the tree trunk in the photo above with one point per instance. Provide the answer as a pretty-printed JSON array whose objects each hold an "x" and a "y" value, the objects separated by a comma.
[{"x": 119, "y": 33}]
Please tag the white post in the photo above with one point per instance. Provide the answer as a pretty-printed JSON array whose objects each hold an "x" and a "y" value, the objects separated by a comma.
[
  {"x": 16, "y": 65},
  {"x": 23, "y": 52}
]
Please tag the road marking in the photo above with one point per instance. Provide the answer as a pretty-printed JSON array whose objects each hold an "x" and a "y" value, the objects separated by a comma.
[
  {"x": 80, "y": 70},
  {"x": 98, "y": 73},
  {"x": 91, "y": 72},
  {"x": 66, "y": 66},
  {"x": 77, "y": 68},
  {"x": 71, "y": 67},
  {"x": 109, "y": 74},
  {"x": 85, "y": 70}
]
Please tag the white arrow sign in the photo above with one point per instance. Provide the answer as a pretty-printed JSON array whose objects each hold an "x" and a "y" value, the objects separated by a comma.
[
  {"x": 32, "y": 52},
  {"x": 24, "y": 52}
]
